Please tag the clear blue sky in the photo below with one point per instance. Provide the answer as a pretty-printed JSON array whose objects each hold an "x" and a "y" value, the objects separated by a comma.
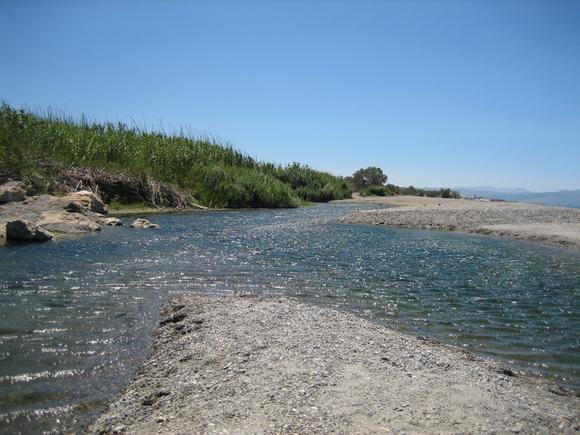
[{"x": 435, "y": 92}]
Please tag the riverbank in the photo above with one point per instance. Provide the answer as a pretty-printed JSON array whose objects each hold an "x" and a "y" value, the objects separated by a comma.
[
  {"x": 247, "y": 364},
  {"x": 130, "y": 211},
  {"x": 42, "y": 218},
  {"x": 127, "y": 164},
  {"x": 559, "y": 226}
]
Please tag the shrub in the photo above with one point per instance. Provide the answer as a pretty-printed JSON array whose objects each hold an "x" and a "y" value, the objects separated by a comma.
[
  {"x": 310, "y": 184},
  {"x": 371, "y": 176},
  {"x": 375, "y": 191},
  {"x": 238, "y": 187}
]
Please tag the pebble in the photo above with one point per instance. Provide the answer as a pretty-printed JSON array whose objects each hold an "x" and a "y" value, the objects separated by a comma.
[{"x": 517, "y": 428}]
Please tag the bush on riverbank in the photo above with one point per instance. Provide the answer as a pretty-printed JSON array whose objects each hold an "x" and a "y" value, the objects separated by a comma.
[
  {"x": 309, "y": 184},
  {"x": 36, "y": 148},
  {"x": 391, "y": 189},
  {"x": 375, "y": 191},
  {"x": 441, "y": 193},
  {"x": 238, "y": 187}
]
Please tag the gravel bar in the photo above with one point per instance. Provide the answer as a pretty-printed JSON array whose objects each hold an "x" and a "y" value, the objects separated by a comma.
[
  {"x": 558, "y": 226},
  {"x": 229, "y": 364}
]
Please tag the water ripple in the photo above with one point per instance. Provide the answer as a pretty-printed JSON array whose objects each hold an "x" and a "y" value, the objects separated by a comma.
[{"x": 76, "y": 315}]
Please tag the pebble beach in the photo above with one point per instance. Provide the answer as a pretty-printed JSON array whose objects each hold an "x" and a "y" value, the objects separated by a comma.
[
  {"x": 275, "y": 365},
  {"x": 559, "y": 226}
]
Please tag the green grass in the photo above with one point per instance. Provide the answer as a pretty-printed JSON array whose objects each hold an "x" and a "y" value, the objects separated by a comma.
[
  {"x": 116, "y": 206},
  {"x": 34, "y": 146}
]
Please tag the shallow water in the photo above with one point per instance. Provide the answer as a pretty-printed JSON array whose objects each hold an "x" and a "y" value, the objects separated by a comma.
[{"x": 76, "y": 315}]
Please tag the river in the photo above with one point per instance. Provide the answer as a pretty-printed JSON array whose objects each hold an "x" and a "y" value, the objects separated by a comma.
[{"x": 76, "y": 315}]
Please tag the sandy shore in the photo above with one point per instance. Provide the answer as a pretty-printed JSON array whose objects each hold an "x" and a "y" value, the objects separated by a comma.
[
  {"x": 532, "y": 222},
  {"x": 254, "y": 365}
]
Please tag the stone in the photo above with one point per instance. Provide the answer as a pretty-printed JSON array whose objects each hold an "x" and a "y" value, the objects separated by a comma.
[
  {"x": 2, "y": 231},
  {"x": 67, "y": 223},
  {"x": 148, "y": 401},
  {"x": 26, "y": 230},
  {"x": 75, "y": 207},
  {"x": 173, "y": 318},
  {"x": 116, "y": 222},
  {"x": 88, "y": 200},
  {"x": 565, "y": 421},
  {"x": 143, "y": 223},
  {"x": 13, "y": 191}
]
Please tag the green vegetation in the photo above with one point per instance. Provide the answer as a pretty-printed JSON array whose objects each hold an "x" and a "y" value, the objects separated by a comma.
[
  {"x": 375, "y": 191},
  {"x": 441, "y": 193},
  {"x": 371, "y": 176},
  {"x": 231, "y": 186},
  {"x": 371, "y": 182},
  {"x": 391, "y": 189},
  {"x": 37, "y": 148},
  {"x": 116, "y": 206},
  {"x": 309, "y": 184}
]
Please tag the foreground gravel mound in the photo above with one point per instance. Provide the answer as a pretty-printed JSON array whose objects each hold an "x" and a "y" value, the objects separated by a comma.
[{"x": 234, "y": 364}]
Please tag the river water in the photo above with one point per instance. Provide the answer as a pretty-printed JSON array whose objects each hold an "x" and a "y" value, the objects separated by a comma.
[{"x": 76, "y": 315}]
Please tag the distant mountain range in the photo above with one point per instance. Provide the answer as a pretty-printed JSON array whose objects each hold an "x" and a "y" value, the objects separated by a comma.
[{"x": 568, "y": 198}]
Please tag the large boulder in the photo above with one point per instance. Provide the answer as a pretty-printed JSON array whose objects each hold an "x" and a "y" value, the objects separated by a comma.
[
  {"x": 13, "y": 191},
  {"x": 88, "y": 200},
  {"x": 26, "y": 230},
  {"x": 143, "y": 223},
  {"x": 67, "y": 223}
]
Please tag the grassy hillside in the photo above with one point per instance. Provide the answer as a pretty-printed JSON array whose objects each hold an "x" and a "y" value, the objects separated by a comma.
[{"x": 36, "y": 147}]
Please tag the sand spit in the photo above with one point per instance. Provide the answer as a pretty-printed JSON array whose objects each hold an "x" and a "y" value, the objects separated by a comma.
[
  {"x": 246, "y": 364},
  {"x": 558, "y": 226}
]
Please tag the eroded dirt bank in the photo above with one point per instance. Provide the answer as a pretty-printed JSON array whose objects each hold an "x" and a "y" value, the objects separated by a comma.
[
  {"x": 235, "y": 364},
  {"x": 558, "y": 226}
]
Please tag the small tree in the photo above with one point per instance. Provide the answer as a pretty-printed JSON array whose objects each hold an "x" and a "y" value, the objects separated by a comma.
[
  {"x": 371, "y": 176},
  {"x": 446, "y": 193}
]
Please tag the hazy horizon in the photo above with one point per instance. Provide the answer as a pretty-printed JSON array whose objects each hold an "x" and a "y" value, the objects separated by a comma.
[{"x": 445, "y": 93}]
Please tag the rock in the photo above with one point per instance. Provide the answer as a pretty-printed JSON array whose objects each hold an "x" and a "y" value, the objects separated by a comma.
[
  {"x": 507, "y": 371},
  {"x": 148, "y": 401},
  {"x": 517, "y": 428},
  {"x": 88, "y": 200},
  {"x": 565, "y": 422},
  {"x": 173, "y": 318},
  {"x": 74, "y": 207},
  {"x": 26, "y": 230},
  {"x": 45, "y": 202},
  {"x": 2, "y": 231},
  {"x": 116, "y": 222},
  {"x": 13, "y": 191},
  {"x": 143, "y": 223},
  {"x": 67, "y": 223}
]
